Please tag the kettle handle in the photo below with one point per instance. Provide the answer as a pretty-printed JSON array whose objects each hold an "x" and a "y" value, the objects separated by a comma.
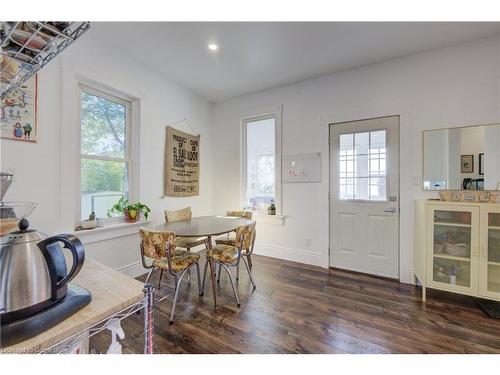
[{"x": 75, "y": 246}]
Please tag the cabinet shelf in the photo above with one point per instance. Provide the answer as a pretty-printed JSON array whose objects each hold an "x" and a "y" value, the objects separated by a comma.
[
  {"x": 494, "y": 227},
  {"x": 26, "y": 47},
  {"x": 451, "y": 257},
  {"x": 494, "y": 263},
  {"x": 451, "y": 224}
]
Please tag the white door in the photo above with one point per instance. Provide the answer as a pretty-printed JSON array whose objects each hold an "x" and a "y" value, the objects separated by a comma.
[{"x": 364, "y": 196}]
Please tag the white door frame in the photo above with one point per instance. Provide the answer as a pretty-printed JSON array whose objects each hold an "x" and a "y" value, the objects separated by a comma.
[
  {"x": 406, "y": 134},
  {"x": 331, "y": 128}
]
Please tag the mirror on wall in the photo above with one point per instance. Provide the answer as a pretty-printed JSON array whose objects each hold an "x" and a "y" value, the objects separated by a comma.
[{"x": 466, "y": 158}]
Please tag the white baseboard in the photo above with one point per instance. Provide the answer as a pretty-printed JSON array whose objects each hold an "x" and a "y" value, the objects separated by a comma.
[
  {"x": 294, "y": 255},
  {"x": 133, "y": 270}
]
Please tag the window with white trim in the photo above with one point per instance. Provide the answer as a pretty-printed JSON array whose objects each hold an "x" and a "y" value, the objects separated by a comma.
[
  {"x": 363, "y": 166},
  {"x": 260, "y": 162},
  {"x": 105, "y": 124}
]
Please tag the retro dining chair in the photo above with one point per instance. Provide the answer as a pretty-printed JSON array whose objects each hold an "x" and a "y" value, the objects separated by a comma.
[
  {"x": 230, "y": 256},
  {"x": 158, "y": 251},
  {"x": 185, "y": 242},
  {"x": 231, "y": 240}
]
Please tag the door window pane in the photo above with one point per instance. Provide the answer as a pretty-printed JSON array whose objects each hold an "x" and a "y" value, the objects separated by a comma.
[
  {"x": 362, "y": 166},
  {"x": 260, "y": 163}
]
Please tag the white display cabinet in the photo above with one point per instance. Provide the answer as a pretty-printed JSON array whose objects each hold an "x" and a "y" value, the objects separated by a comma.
[{"x": 457, "y": 247}]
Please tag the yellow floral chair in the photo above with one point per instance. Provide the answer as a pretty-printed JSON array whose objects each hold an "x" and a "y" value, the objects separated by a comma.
[
  {"x": 185, "y": 242},
  {"x": 231, "y": 240},
  {"x": 230, "y": 256},
  {"x": 158, "y": 251}
]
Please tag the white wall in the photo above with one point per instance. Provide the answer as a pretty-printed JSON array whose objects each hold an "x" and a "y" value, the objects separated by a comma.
[
  {"x": 491, "y": 157},
  {"x": 443, "y": 88},
  {"x": 48, "y": 172}
]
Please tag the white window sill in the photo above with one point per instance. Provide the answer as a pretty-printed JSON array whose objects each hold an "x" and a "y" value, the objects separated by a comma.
[
  {"x": 269, "y": 219},
  {"x": 109, "y": 231}
]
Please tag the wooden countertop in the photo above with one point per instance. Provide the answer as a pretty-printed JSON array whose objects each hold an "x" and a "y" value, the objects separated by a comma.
[{"x": 111, "y": 292}]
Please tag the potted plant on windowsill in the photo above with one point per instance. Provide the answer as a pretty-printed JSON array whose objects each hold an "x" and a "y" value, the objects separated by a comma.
[{"x": 131, "y": 212}]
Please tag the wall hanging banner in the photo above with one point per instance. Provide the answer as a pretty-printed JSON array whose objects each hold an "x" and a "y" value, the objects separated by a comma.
[{"x": 182, "y": 164}]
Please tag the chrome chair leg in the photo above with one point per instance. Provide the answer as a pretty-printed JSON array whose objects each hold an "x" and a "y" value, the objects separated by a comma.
[
  {"x": 238, "y": 271},
  {"x": 199, "y": 279},
  {"x": 218, "y": 275},
  {"x": 189, "y": 276},
  {"x": 159, "y": 281},
  {"x": 172, "y": 313},
  {"x": 249, "y": 273},
  {"x": 232, "y": 284},
  {"x": 250, "y": 261},
  {"x": 149, "y": 275},
  {"x": 204, "y": 278},
  {"x": 175, "y": 281}
]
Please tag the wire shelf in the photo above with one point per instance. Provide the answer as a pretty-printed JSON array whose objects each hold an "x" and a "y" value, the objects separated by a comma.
[{"x": 26, "y": 47}]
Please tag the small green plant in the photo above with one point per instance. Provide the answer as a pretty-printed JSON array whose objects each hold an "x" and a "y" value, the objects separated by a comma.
[{"x": 130, "y": 211}]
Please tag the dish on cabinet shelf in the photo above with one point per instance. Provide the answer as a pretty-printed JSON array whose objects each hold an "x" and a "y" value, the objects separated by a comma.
[
  {"x": 455, "y": 243},
  {"x": 29, "y": 40},
  {"x": 19, "y": 55},
  {"x": 48, "y": 29},
  {"x": 9, "y": 68},
  {"x": 450, "y": 271}
]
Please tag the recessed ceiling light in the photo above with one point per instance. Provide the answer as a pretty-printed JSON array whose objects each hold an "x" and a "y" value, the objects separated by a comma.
[{"x": 213, "y": 47}]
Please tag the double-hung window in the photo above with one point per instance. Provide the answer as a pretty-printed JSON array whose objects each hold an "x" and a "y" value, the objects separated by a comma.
[
  {"x": 262, "y": 176},
  {"x": 105, "y": 164}
]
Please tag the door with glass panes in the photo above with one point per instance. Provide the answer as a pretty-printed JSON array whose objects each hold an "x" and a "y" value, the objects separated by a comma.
[
  {"x": 489, "y": 254},
  {"x": 453, "y": 248},
  {"x": 364, "y": 196}
]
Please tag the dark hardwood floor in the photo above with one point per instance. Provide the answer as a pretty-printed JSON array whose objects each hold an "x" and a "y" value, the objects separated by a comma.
[{"x": 304, "y": 309}]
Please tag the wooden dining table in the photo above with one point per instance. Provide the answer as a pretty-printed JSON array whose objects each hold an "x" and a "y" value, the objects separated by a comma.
[{"x": 205, "y": 226}]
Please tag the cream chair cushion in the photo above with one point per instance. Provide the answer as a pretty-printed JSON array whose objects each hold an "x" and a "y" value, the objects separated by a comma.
[
  {"x": 188, "y": 242},
  {"x": 230, "y": 240}
]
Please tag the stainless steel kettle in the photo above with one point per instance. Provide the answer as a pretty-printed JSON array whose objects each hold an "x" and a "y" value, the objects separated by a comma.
[{"x": 33, "y": 271}]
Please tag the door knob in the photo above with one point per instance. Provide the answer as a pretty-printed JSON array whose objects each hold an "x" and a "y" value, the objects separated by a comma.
[{"x": 390, "y": 210}]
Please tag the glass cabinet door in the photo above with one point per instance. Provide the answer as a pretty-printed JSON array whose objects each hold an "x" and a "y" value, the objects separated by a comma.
[
  {"x": 489, "y": 283},
  {"x": 453, "y": 247}
]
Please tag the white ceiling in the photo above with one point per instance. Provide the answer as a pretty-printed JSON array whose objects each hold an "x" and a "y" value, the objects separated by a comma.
[{"x": 256, "y": 56}]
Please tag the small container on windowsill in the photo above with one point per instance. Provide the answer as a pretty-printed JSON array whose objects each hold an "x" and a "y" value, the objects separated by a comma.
[
  {"x": 271, "y": 209},
  {"x": 89, "y": 224}
]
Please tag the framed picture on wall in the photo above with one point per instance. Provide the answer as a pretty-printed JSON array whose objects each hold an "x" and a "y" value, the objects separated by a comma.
[
  {"x": 481, "y": 164},
  {"x": 18, "y": 112},
  {"x": 466, "y": 163}
]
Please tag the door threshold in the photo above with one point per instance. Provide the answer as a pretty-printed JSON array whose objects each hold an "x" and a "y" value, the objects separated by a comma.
[{"x": 364, "y": 274}]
